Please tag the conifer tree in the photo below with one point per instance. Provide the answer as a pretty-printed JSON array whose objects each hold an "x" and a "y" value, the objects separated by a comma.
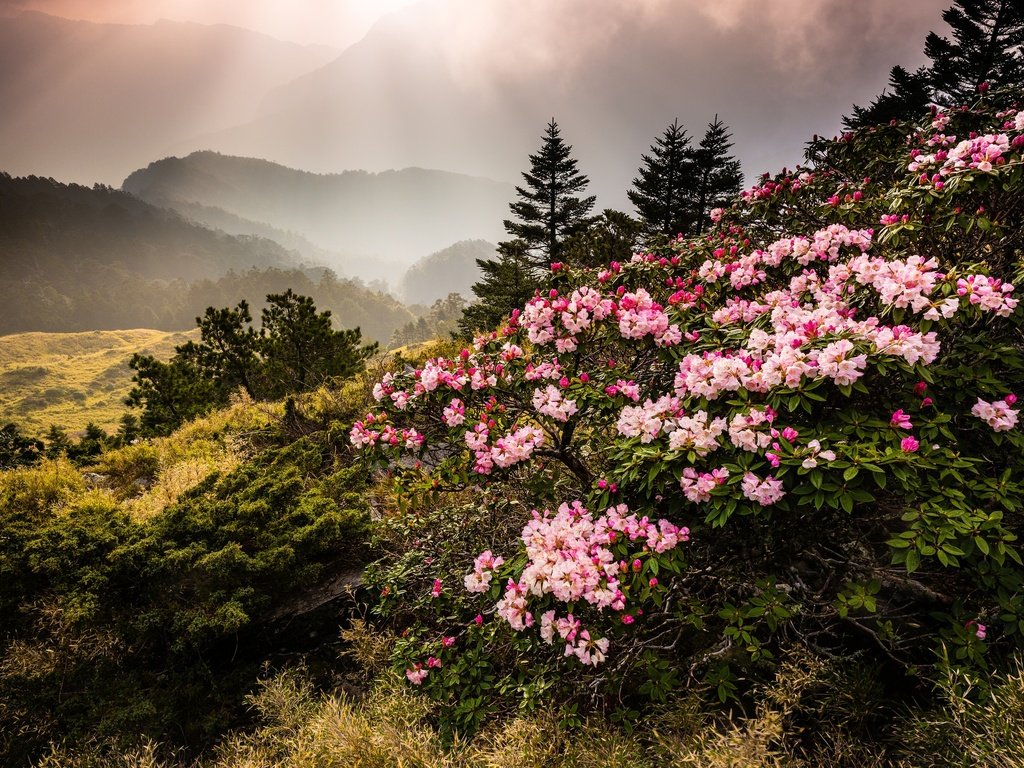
[
  {"x": 506, "y": 283},
  {"x": 549, "y": 208},
  {"x": 301, "y": 349},
  {"x": 907, "y": 99},
  {"x": 717, "y": 174},
  {"x": 613, "y": 236},
  {"x": 987, "y": 47},
  {"x": 661, "y": 192}
]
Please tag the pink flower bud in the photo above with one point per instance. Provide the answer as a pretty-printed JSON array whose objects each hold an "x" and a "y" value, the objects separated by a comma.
[
  {"x": 479, "y": 619},
  {"x": 653, "y": 582},
  {"x": 627, "y": 619},
  {"x": 1010, "y": 399}
]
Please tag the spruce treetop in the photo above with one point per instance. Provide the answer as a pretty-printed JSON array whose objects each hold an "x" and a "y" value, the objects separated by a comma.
[{"x": 550, "y": 208}]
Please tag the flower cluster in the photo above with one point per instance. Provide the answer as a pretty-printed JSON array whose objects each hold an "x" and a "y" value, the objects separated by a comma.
[
  {"x": 999, "y": 415},
  {"x": 570, "y": 557}
]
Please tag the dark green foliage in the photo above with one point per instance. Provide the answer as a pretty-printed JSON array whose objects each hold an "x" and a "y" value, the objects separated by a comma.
[
  {"x": 717, "y": 174},
  {"x": 548, "y": 209},
  {"x": 613, "y": 236},
  {"x": 506, "y": 284},
  {"x": 295, "y": 350},
  {"x": 128, "y": 430},
  {"x": 169, "y": 393},
  {"x": 17, "y": 450},
  {"x": 988, "y": 36},
  {"x": 908, "y": 96},
  {"x": 126, "y": 630},
  {"x": 57, "y": 441},
  {"x": 678, "y": 184},
  {"x": 662, "y": 190},
  {"x": 299, "y": 350},
  {"x": 987, "y": 48},
  {"x": 229, "y": 352}
]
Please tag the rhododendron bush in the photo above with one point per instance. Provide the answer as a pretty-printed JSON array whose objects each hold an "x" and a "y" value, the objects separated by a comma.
[{"x": 802, "y": 427}]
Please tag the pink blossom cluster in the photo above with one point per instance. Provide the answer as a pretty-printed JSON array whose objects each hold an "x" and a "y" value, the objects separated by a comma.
[
  {"x": 506, "y": 451},
  {"x": 364, "y": 434},
  {"x": 982, "y": 153},
  {"x": 569, "y": 557},
  {"x": 646, "y": 421},
  {"x": 899, "y": 282},
  {"x": 765, "y": 492},
  {"x": 483, "y": 568},
  {"x": 697, "y": 486},
  {"x": 744, "y": 430},
  {"x": 989, "y": 293},
  {"x": 551, "y": 402},
  {"x": 578, "y": 641},
  {"x": 695, "y": 432},
  {"x": 999, "y": 415}
]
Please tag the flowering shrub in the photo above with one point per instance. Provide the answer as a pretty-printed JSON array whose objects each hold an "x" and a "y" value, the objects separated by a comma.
[{"x": 820, "y": 392}]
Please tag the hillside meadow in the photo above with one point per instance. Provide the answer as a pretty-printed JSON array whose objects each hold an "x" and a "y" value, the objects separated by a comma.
[{"x": 70, "y": 379}]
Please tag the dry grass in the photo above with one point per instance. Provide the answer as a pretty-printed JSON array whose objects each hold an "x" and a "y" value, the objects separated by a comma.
[{"x": 71, "y": 379}]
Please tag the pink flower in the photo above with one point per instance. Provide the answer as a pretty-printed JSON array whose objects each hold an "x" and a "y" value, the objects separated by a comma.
[
  {"x": 433, "y": 662},
  {"x": 417, "y": 674},
  {"x": 448, "y": 642},
  {"x": 909, "y": 444},
  {"x": 901, "y": 420},
  {"x": 979, "y": 631},
  {"x": 436, "y": 590},
  {"x": 653, "y": 582},
  {"x": 478, "y": 619},
  {"x": 627, "y": 619}
]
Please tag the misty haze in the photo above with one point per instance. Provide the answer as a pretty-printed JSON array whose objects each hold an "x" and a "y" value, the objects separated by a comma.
[{"x": 474, "y": 383}]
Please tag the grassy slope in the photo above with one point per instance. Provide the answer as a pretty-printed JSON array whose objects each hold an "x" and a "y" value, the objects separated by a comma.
[{"x": 72, "y": 378}]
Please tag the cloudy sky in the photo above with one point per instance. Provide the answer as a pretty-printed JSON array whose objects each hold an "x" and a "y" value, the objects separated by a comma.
[
  {"x": 461, "y": 85},
  {"x": 338, "y": 23}
]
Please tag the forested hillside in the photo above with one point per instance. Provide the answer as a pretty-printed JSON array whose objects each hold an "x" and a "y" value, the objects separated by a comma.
[
  {"x": 377, "y": 224},
  {"x": 76, "y": 258}
]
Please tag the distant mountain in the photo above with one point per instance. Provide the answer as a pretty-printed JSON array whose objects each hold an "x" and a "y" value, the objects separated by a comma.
[
  {"x": 90, "y": 102},
  {"x": 77, "y": 258},
  {"x": 452, "y": 270},
  {"x": 377, "y": 223}
]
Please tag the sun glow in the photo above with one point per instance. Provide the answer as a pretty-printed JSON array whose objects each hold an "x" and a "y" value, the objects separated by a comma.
[{"x": 325, "y": 22}]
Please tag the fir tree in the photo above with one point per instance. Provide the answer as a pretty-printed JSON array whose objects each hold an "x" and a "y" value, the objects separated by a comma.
[
  {"x": 228, "y": 348},
  {"x": 662, "y": 190},
  {"x": 613, "y": 236},
  {"x": 301, "y": 349},
  {"x": 717, "y": 174},
  {"x": 57, "y": 441},
  {"x": 549, "y": 209},
  {"x": 988, "y": 37},
  {"x": 907, "y": 99},
  {"x": 506, "y": 284}
]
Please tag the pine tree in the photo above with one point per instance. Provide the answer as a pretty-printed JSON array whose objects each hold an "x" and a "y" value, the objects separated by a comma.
[
  {"x": 661, "y": 191},
  {"x": 506, "y": 283},
  {"x": 228, "y": 351},
  {"x": 907, "y": 99},
  {"x": 548, "y": 209},
  {"x": 301, "y": 349},
  {"x": 988, "y": 37},
  {"x": 613, "y": 236},
  {"x": 717, "y": 174}
]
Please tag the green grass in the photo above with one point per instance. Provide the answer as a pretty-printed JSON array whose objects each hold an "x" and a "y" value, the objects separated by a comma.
[{"x": 71, "y": 379}]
